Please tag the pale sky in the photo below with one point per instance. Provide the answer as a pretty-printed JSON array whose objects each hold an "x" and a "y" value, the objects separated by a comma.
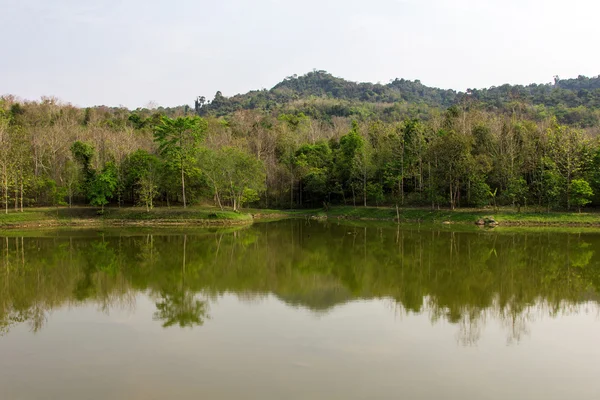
[{"x": 131, "y": 52}]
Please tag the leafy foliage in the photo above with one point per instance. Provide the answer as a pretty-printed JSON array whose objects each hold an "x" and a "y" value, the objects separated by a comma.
[
  {"x": 313, "y": 140},
  {"x": 104, "y": 186},
  {"x": 581, "y": 193}
]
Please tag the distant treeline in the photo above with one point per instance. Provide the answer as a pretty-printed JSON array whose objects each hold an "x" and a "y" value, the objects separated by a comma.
[
  {"x": 320, "y": 95},
  {"x": 313, "y": 141}
]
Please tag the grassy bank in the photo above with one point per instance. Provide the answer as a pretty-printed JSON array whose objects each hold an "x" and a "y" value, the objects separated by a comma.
[
  {"x": 127, "y": 216},
  {"x": 505, "y": 217},
  {"x": 207, "y": 216}
]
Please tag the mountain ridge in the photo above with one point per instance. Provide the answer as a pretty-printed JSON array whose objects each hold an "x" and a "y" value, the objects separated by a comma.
[{"x": 337, "y": 96}]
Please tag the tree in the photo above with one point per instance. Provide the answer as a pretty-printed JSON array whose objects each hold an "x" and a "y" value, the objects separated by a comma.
[
  {"x": 552, "y": 184},
  {"x": 21, "y": 156},
  {"x": 147, "y": 192},
  {"x": 103, "y": 186},
  {"x": 83, "y": 153},
  {"x": 142, "y": 175},
  {"x": 313, "y": 161},
  {"x": 413, "y": 146},
  {"x": 72, "y": 178},
  {"x": 517, "y": 191},
  {"x": 581, "y": 193},
  {"x": 568, "y": 152},
  {"x": 212, "y": 162},
  {"x": 479, "y": 192},
  {"x": 243, "y": 175},
  {"x": 452, "y": 159},
  {"x": 352, "y": 161},
  {"x": 234, "y": 175},
  {"x": 362, "y": 167},
  {"x": 178, "y": 141},
  {"x": 5, "y": 156},
  {"x": 57, "y": 193}
]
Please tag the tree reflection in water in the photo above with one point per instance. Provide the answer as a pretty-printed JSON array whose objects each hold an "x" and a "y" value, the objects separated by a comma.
[{"x": 466, "y": 278}]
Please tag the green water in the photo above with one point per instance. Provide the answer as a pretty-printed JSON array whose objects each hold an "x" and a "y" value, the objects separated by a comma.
[{"x": 300, "y": 310}]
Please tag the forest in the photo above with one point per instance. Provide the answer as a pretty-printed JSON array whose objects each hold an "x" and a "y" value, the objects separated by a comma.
[{"x": 309, "y": 142}]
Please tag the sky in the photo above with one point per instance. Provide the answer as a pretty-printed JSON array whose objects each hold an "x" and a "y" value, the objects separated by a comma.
[{"x": 134, "y": 52}]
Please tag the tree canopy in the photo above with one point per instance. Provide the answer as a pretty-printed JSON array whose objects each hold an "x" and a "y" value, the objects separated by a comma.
[{"x": 311, "y": 141}]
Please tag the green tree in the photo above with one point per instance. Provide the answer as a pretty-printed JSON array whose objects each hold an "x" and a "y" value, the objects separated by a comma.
[
  {"x": 479, "y": 192},
  {"x": 147, "y": 191},
  {"x": 581, "y": 193},
  {"x": 178, "y": 141},
  {"x": 72, "y": 180},
  {"x": 83, "y": 153},
  {"x": 6, "y": 160},
  {"x": 212, "y": 162},
  {"x": 517, "y": 192},
  {"x": 234, "y": 175},
  {"x": 313, "y": 162},
  {"x": 21, "y": 155},
  {"x": 142, "y": 175},
  {"x": 352, "y": 161},
  {"x": 451, "y": 155},
  {"x": 103, "y": 186},
  {"x": 243, "y": 175},
  {"x": 568, "y": 151},
  {"x": 552, "y": 184}
]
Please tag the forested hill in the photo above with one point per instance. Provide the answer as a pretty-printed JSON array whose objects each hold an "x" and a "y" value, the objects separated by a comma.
[{"x": 321, "y": 95}]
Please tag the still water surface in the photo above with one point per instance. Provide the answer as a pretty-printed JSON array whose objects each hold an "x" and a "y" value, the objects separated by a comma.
[{"x": 300, "y": 310}]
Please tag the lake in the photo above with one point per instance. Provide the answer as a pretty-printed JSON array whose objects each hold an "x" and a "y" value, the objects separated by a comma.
[{"x": 300, "y": 309}]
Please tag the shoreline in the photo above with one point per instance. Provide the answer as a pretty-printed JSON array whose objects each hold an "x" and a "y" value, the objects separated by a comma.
[{"x": 33, "y": 218}]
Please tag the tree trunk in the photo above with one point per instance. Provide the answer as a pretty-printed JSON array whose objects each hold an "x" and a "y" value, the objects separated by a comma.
[
  {"x": 5, "y": 191},
  {"x": 469, "y": 192},
  {"x": 420, "y": 176},
  {"x": 431, "y": 188},
  {"x": 365, "y": 189},
  {"x": 266, "y": 191},
  {"x": 183, "y": 185},
  {"x": 218, "y": 198},
  {"x": 568, "y": 190},
  {"x": 401, "y": 181}
]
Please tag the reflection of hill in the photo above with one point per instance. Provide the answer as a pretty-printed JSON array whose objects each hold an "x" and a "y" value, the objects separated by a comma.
[{"x": 454, "y": 276}]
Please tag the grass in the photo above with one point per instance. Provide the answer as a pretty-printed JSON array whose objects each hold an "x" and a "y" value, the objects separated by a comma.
[
  {"x": 210, "y": 216},
  {"x": 88, "y": 216},
  {"x": 175, "y": 214},
  {"x": 466, "y": 216},
  {"x": 505, "y": 216}
]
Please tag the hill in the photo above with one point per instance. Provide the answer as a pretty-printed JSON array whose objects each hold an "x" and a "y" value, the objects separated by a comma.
[{"x": 321, "y": 95}]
